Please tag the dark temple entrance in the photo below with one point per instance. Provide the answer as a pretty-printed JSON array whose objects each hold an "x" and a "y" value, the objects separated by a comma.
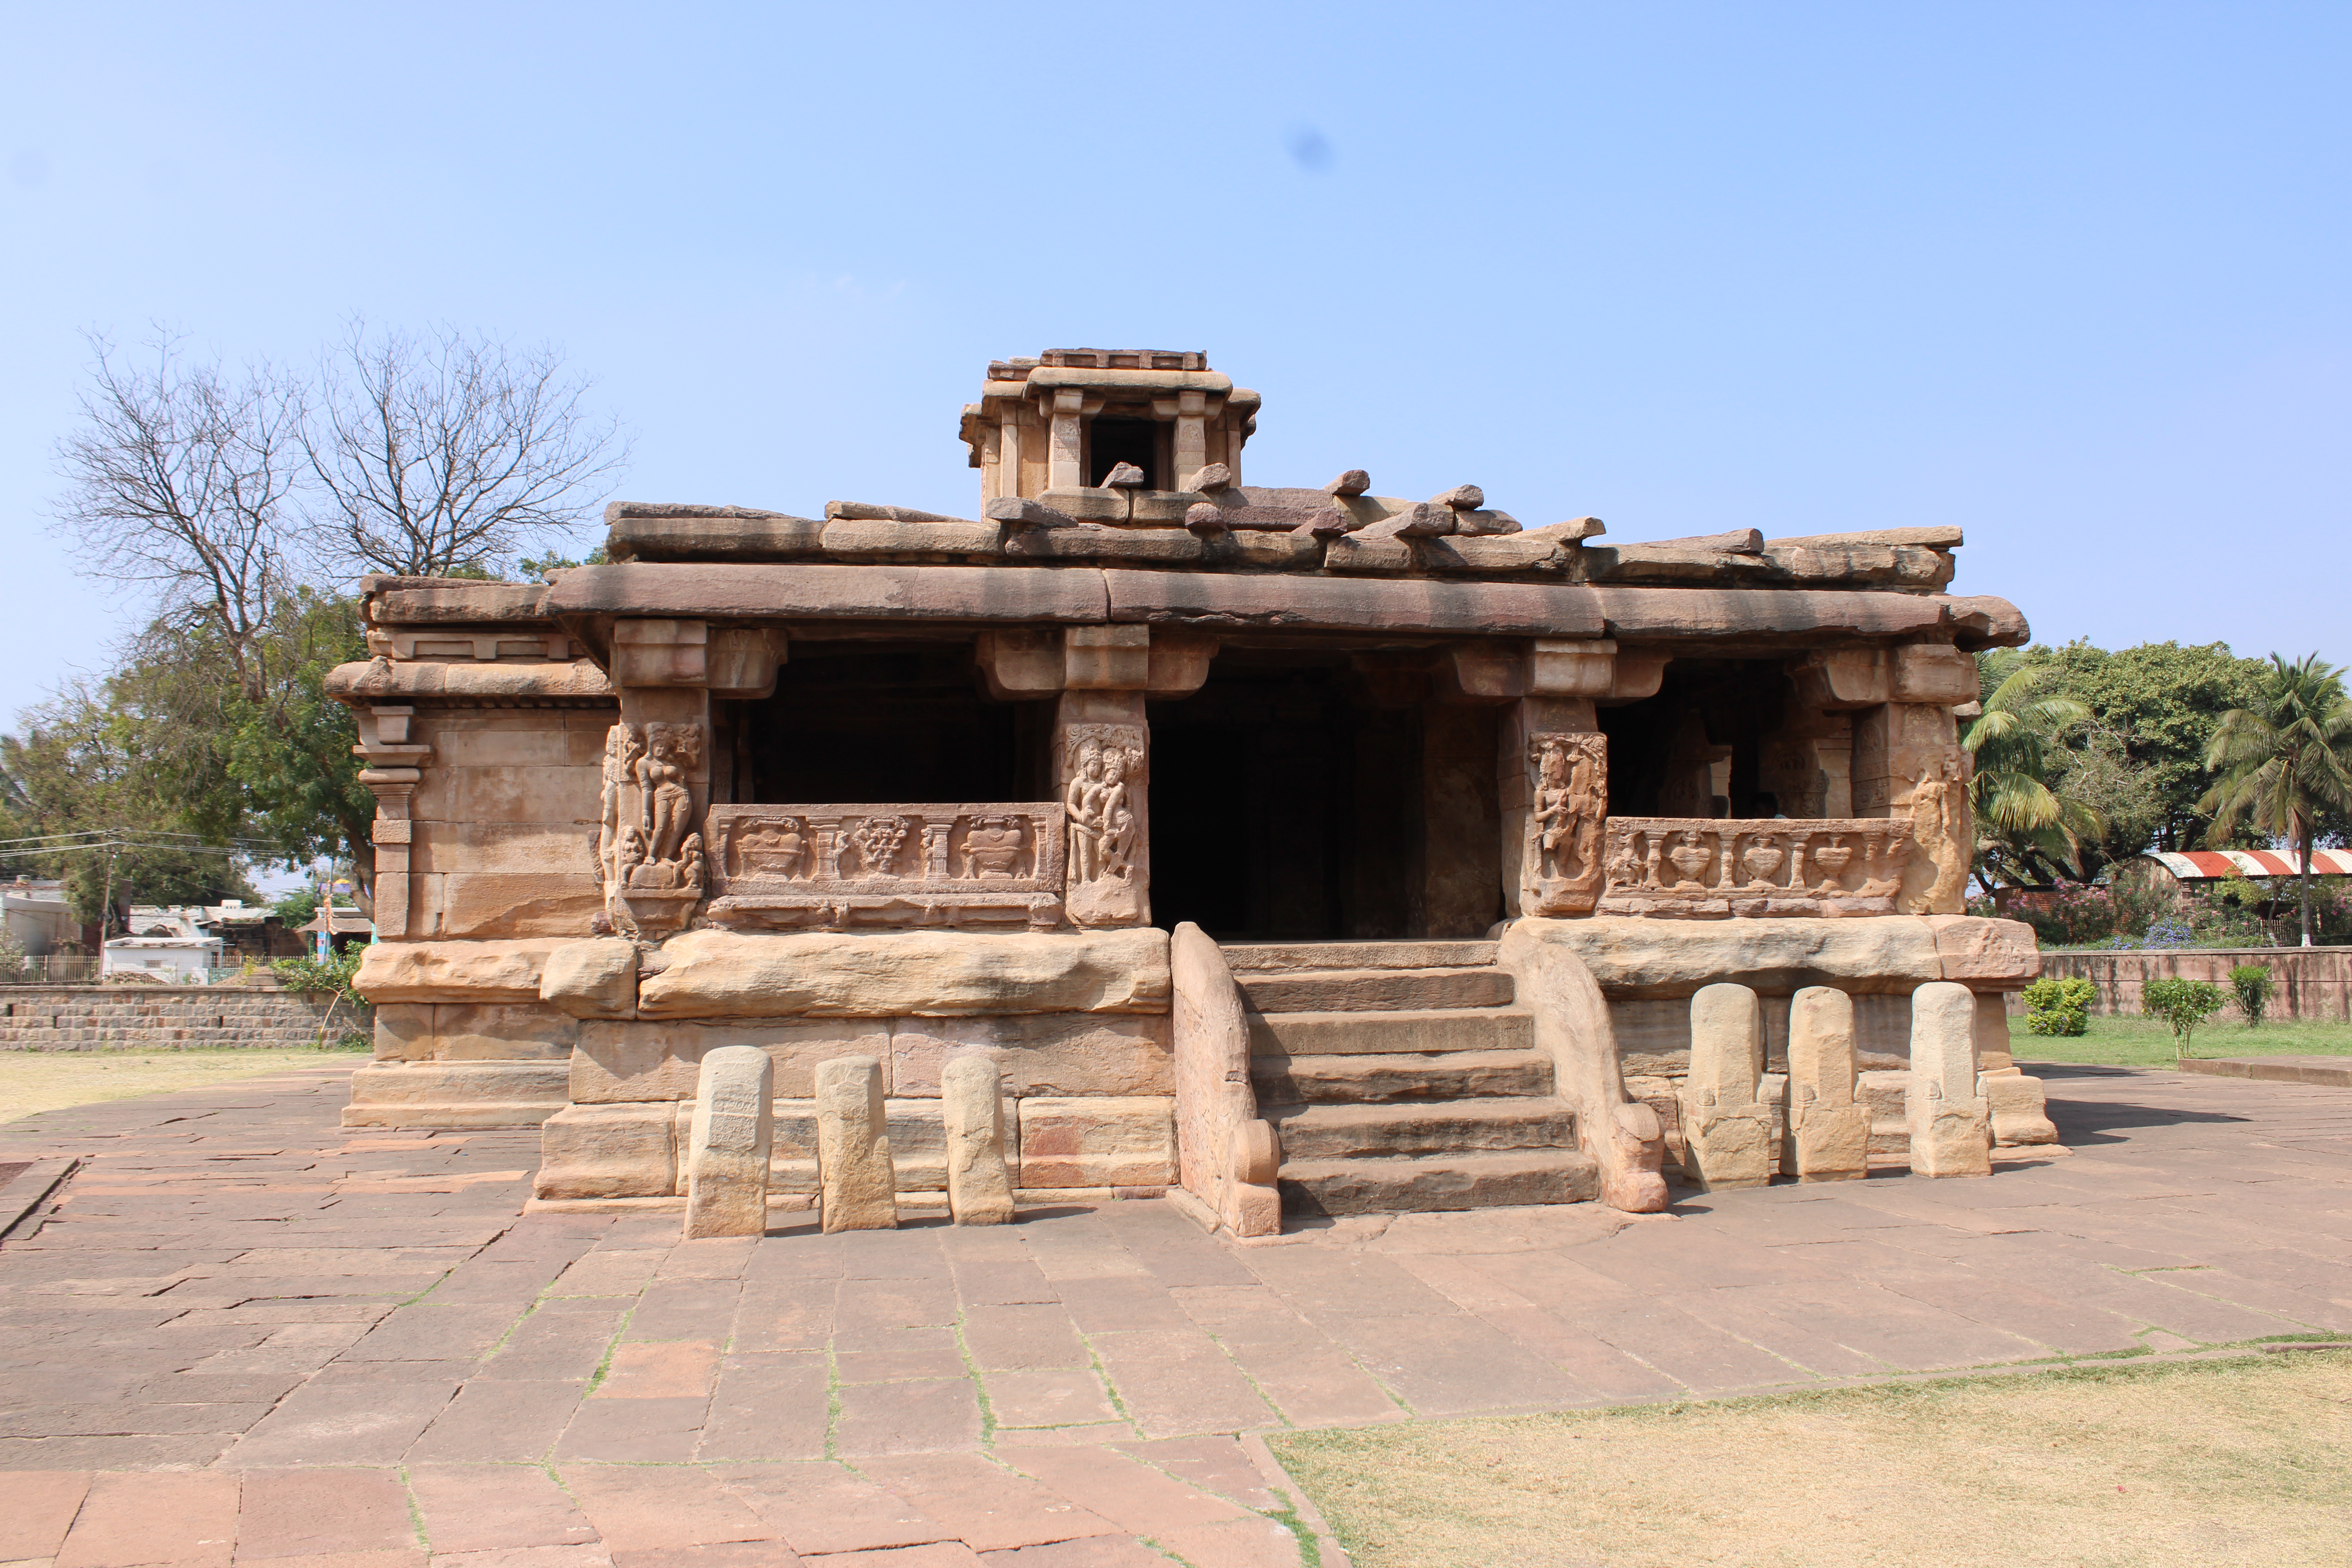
[
  {"x": 1296, "y": 799},
  {"x": 857, "y": 721}
]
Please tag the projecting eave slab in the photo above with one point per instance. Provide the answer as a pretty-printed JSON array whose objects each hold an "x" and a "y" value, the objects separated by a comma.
[{"x": 1417, "y": 607}]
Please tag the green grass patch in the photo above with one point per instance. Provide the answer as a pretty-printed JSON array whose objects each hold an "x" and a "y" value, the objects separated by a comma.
[{"x": 2148, "y": 1042}]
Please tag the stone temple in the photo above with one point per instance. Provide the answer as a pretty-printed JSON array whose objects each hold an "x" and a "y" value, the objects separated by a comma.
[{"x": 1288, "y": 848}]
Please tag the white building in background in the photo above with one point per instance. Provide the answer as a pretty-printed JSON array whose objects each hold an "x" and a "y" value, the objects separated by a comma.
[
  {"x": 36, "y": 916},
  {"x": 169, "y": 960}
]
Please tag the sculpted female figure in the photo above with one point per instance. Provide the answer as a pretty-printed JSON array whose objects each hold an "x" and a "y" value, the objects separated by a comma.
[
  {"x": 661, "y": 784},
  {"x": 1555, "y": 809},
  {"x": 1082, "y": 802}
]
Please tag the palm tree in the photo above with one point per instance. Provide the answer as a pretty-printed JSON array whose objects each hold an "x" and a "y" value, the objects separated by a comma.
[
  {"x": 2015, "y": 741},
  {"x": 2285, "y": 761}
]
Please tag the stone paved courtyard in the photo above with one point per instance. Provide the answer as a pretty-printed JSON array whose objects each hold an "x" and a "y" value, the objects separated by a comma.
[{"x": 245, "y": 1335}]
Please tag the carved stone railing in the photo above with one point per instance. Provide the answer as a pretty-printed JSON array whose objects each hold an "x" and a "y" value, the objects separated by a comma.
[
  {"x": 787, "y": 867},
  {"x": 1700, "y": 867}
]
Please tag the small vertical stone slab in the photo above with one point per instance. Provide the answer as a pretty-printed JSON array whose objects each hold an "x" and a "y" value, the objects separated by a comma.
[
  {"x": 857, "y": 1183},
  {"x": 971, "y": 1103},
  {"x": 1951, "y": 1126},
  {"x": 1727, "y": 1131},
  {"x": 734, "y": 1129},
  {"x": 1829, "y": 1133}
]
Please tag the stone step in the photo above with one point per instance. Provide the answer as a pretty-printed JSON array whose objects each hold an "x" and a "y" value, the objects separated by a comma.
[
  {"x": 1374, "y": 990},
  {"x": 1356, "y": 1034},
  {"x": 1421, "y": 1127},
  {"x": 1260, "y": 956},
  {"x": 1417, "y": 1184},
  {"x": 1338, "y": 1080}
]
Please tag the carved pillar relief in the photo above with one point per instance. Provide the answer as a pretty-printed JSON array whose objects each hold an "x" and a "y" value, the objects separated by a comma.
[
  {"x": 1560, "y": 732},
  {"x": 1568, "y": 806},
  {"x": 1101, "y": 746},
  {"x": 656, "y": 767}
]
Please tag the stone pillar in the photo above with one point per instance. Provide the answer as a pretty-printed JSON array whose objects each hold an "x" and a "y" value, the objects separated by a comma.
[
  {"x": 1065, "y": 444},
  {"x": 971, "y": 1104},
  {"x": 1727, "y": 1131},
  {"x": 734, "y": 1131},
  {"x": 858, "y": 1184},
  {"x": 991, "y": 463},
  {"x": 1829, "y": 1134},
  {"x": 1008, "y": 455},
  {"x": 1191, "y": 437},
  {"x": 1951, "y": 1126},
  {"x": 1101, "y": 751},
  {"x": 1519, "y": 761}
]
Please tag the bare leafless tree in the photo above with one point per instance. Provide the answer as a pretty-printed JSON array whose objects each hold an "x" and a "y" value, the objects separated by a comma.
[
  {"x": 182, "y": 479},
  {"x": 446, "y": 451}
]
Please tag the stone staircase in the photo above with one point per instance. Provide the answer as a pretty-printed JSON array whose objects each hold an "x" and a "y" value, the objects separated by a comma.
[{"x": 1402, "y": 1078}]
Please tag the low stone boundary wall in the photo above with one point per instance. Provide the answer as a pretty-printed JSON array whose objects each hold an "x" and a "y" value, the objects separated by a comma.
[
  {"x": 2307, "y": 982},
  {"x": 168, "y": 1017}
]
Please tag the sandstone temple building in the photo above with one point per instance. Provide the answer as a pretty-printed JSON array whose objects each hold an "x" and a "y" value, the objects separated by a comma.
[{"x": 1288, "y": 848}]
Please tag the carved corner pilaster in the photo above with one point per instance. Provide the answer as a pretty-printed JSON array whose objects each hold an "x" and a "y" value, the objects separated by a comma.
[
  {"x": 394, "y": 767},
  {"x": 1568, "y": 808}
]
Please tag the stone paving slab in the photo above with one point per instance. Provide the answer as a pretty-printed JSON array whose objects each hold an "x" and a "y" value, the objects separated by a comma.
[{"x": 240, "y": 1334}]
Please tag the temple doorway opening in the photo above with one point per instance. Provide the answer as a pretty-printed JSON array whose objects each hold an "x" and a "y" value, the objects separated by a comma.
[
  {"x": 852, "y": 722},
  {"x": 1704, "y": 745},
  {"x": 1297, "y": 796}
]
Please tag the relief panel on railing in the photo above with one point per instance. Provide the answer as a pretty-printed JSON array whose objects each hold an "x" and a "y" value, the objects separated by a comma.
[
  {"x": 1698, "y": 867},
  {"x": 787, "y": 867}
]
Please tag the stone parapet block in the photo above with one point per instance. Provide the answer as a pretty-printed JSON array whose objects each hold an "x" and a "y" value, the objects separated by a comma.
[
  {"x": 719, "y": 974},
  {"x": 490, "y": 970},
  {"x": 1985, "y": 955},
  {"x": 592, "y": 978},
  {"x": 1634, "y": 957}
]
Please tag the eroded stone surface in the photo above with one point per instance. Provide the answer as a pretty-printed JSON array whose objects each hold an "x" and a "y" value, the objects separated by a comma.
[
  {"x": 1727, "y": 1131},
  {"x": 1951, "y": 1131},
  {"x": 731, "y": 1133},
  {"x": 971, "y": 1103},
  {"x": 1829, "y": 1134},
  {"x": 858, "y": 1189}
]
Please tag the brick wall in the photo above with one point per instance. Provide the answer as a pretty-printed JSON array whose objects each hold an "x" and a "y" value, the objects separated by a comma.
[
  {"x": 166, "y": 1017},
  {"x": 2309, "y": 983}
]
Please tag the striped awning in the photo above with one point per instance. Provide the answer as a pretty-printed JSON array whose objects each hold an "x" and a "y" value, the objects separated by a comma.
[{"x": 2198, "y": 865}]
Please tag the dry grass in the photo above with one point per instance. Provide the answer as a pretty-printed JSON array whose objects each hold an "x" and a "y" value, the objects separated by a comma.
[
  {"x": 35, "y": 1081},
  {"x": 2238, "y": 1461}
]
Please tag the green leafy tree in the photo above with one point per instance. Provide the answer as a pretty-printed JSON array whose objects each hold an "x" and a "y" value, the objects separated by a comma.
[
  {"x": 2284, "y": 761},
  {"x": 2026, "y": 830},
  {"x": 91, "y": 765},
  {"x": 2183, "y": 1004},
  {"x": 2141, "y": 760}
]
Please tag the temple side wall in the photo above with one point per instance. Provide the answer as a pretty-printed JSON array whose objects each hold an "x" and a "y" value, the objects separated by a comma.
[{"x": 503, "y": 823}]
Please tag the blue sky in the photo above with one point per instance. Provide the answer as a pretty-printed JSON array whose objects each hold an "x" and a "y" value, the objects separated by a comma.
[{"x": 2074, "y": 276}]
